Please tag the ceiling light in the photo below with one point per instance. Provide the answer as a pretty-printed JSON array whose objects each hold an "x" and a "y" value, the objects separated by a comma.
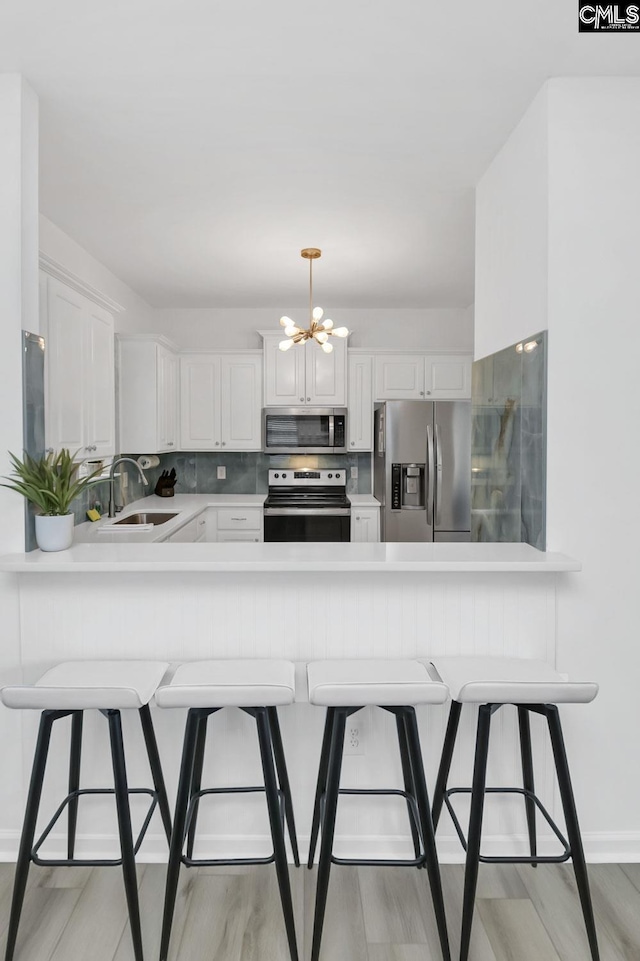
[{"x": 319, "y": 330}]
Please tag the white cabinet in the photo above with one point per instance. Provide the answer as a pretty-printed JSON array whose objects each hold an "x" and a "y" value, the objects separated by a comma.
[
  {"x": 224, "y": 524},
  {"x": 365, "y": 525},
  {"x": 422, "y": 376},
  {"x": 304, "y": 375},
  {"x": 191, "y": 533},
  {"x": 80, "y": 373},
  {"x": 221, "y": 401},
  {"x": 148, "y": 391},
  {"x": 360, "y": 402}
]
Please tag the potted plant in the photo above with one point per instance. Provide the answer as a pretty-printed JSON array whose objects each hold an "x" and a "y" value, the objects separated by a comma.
[{"x": 50, "y": 483}]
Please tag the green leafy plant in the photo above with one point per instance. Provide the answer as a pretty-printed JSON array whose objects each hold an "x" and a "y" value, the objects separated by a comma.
[{"x": 50, "y": 483}]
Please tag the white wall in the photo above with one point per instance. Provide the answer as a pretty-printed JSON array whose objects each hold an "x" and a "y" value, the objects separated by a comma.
[
  {"x": 446, "y": 328},
  {"x": 511, "y": 237},
  {"x": 55, "y": 243},
  {"x": 18, "y": 308},
  {"x": 591, "y": 284}
]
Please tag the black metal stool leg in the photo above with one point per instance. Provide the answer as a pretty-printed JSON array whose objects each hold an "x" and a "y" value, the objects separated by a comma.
[
  {"x": 283, "y": 780},
  {"x": 125, "y": 830},
  {"x": 178, "y": 834},
  {"x": 196, "y": 781},
  {"x": 328, "y": 825},
  {"x": 321, "y": 785},
  {"x": 29, "y": 827},
  {"x": 74, "y": 780},
  {"x": 407, "y": 776},
  {"x": 475, "y": 826},
  {"x": 527, "y": 777},
  {"x": 445, "y": 761},
  {"x": 573, "y": 827},
  {"x": 156, "y": 768},
  {"x": 277, "y": 830},
  {"x": 426, "y": 824}
]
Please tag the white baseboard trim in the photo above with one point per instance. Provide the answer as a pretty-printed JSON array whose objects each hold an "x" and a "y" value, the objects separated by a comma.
[{"x": 600, "y": 847}]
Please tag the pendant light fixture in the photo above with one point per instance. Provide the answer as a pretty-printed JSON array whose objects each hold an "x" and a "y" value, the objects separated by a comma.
[{"x": 319, "y": 330}]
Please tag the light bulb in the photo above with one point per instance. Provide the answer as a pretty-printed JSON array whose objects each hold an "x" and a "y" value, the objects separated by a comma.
[
  {"x": 327, "y": 348},
  {"x": 327, "y": 324},
  {"x": 317, "y": 313},
  {"x": 322, "y": 336},
  {"x": 341, "y": 332},
  {"x": 286, "y": 322},
  {"x": 519, "y": 348},
  {"x": 530, "y": 345},
  {"x": 292, "y": 330},
  {"x": 285, "y": 344}
]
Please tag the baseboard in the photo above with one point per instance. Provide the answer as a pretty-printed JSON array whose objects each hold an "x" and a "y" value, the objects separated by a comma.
[{"x": 600, "y": 847}]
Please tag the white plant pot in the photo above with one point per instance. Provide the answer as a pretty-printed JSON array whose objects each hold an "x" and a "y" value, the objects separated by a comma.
[{"x": 54, "y": 533}]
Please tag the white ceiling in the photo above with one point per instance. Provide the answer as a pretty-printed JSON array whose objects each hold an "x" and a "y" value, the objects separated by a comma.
[{"x": 194, "y": 146}]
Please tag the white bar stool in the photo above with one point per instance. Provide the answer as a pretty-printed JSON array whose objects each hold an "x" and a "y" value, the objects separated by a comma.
[
  {"x": 345, "y": 687},
  {"x": 257, "y": 687},
  {"x": 531, "y": 686},
  {"x": 66, "y": 690}
]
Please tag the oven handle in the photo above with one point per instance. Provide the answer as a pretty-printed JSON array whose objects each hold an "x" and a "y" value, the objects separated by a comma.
[{"x": 306, "y": 512}]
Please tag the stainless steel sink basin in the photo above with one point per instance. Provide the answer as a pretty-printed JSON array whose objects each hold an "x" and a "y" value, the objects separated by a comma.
[{"x": 146, "y": 518}]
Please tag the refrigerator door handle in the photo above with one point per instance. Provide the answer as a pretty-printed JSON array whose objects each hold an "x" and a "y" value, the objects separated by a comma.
[
  {"x": 437, "y": 479},
  {"x": 430, "y": 477},
  {"x": 381, "y": 434}
]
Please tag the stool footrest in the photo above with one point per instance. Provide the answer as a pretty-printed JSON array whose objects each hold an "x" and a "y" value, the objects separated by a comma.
[
  {"x": 191, "y": 862},
  {"x": 516, "y": 859},
  {"x": 384, "y": 862},
  {"x": 90, "y": 862}
]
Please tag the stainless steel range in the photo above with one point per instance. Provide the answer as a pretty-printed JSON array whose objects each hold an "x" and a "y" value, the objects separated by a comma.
[{"x": 307, "y": 505}]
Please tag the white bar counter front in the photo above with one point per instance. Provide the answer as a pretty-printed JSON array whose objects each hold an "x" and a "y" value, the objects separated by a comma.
[{"x": 183, "y": 602}]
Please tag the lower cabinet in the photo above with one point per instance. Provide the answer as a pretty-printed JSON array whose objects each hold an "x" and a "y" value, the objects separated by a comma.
[
  {"x": 365, "y": 525},
  {"x": 192, "y": 532},
  {"x": 224, "y": 524}
]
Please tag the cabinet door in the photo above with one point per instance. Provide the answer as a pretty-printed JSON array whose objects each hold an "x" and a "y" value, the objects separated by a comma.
[
  {"x": 200, "y": 402},
  {"x": 284, "y": 374},
  {"x": 365, "y": 525},
  {"x": 400, "y": 377},
  {"x": 360, "y": 403},
  {"x": 167, "y": 399},
  {"x": 188, "y": 534},
  {"x": 99, "y": 384},
  {"x": 448, "y": 377},
  {"x": 326, "y": 374},
  {"x": 65, "y": 332},
  {"x": 241, "y": 383}
]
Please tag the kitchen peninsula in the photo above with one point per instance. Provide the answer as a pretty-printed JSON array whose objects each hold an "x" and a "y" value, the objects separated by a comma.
[{"x": 188, "y": 601}]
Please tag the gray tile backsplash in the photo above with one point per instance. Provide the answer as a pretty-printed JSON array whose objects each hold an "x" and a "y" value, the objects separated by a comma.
[
  {"x": 247, "y": 472},
  {"x": 508, "y": 448}
]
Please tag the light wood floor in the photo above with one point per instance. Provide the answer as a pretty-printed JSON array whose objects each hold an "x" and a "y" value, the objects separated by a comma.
[{"x": 374, "y": 914}]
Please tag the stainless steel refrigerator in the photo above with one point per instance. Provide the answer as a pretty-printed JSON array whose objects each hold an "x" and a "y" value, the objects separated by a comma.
[{"x": 422, "y": 470}]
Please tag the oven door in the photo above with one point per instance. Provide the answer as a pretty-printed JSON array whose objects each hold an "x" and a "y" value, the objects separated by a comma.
[
  {"x": 312, "y": 430},
  {"x": 295, "y": 524}
]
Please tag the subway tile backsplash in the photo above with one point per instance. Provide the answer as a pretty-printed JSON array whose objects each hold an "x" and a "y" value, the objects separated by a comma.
[{"x": 247, "y": 472}]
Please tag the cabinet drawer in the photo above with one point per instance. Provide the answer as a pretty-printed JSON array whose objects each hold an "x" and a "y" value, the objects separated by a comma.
[
  {"x": 240, "y": 519},
  {"x": 225, "y": 537}
]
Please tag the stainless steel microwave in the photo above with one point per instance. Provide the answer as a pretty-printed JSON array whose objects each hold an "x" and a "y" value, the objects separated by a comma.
[{"x": 304, "y": 430}]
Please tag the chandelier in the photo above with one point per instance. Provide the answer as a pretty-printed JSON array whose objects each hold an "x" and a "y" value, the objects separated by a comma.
[{"x": 319, "y": 330}]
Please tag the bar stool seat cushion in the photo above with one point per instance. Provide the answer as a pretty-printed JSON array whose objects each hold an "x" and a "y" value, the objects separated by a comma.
[
  {"x": 354, "y": 683},
  {"x": 82, "y": 685},
  {"x": 230, "y": 683},
  {"x": 509, "y": 680}
]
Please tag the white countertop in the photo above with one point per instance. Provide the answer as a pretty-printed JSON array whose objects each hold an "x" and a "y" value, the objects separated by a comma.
[
  {"x": 363, "y": 500},
  {"x": 99, "y": 557}
]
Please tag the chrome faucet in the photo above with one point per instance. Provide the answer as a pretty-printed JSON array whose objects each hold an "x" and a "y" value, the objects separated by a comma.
[{"x": 112, "y": 480}]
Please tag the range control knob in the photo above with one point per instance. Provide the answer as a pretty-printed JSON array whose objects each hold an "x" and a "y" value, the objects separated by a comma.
[
  {"x": 276, "y": 475},
  {"x": 330, "y": 476},
  {"x": 338, "y": 476},
  {"x": 284, "y": 476}
]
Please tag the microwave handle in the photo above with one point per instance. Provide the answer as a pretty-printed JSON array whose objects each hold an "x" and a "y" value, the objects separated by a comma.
[{"x": 332, "y": 430}]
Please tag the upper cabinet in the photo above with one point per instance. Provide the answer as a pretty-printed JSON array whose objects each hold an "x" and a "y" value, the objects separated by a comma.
[
  {"x": 420, "y": 376},
  {"x": 360, "y": 402},
  {"x": 221, "y": 401},
  {"x": 80, "y": 373},
  {"x": 148, "y": 382},
  {"x": 304, "y": 375}
]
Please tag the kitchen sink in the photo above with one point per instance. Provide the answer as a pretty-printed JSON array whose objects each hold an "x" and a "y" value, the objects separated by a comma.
[{"x": 156, "y": 519}]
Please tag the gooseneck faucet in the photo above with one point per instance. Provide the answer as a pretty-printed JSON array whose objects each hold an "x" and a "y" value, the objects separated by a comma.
[{"x": 112, "y": 480}]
